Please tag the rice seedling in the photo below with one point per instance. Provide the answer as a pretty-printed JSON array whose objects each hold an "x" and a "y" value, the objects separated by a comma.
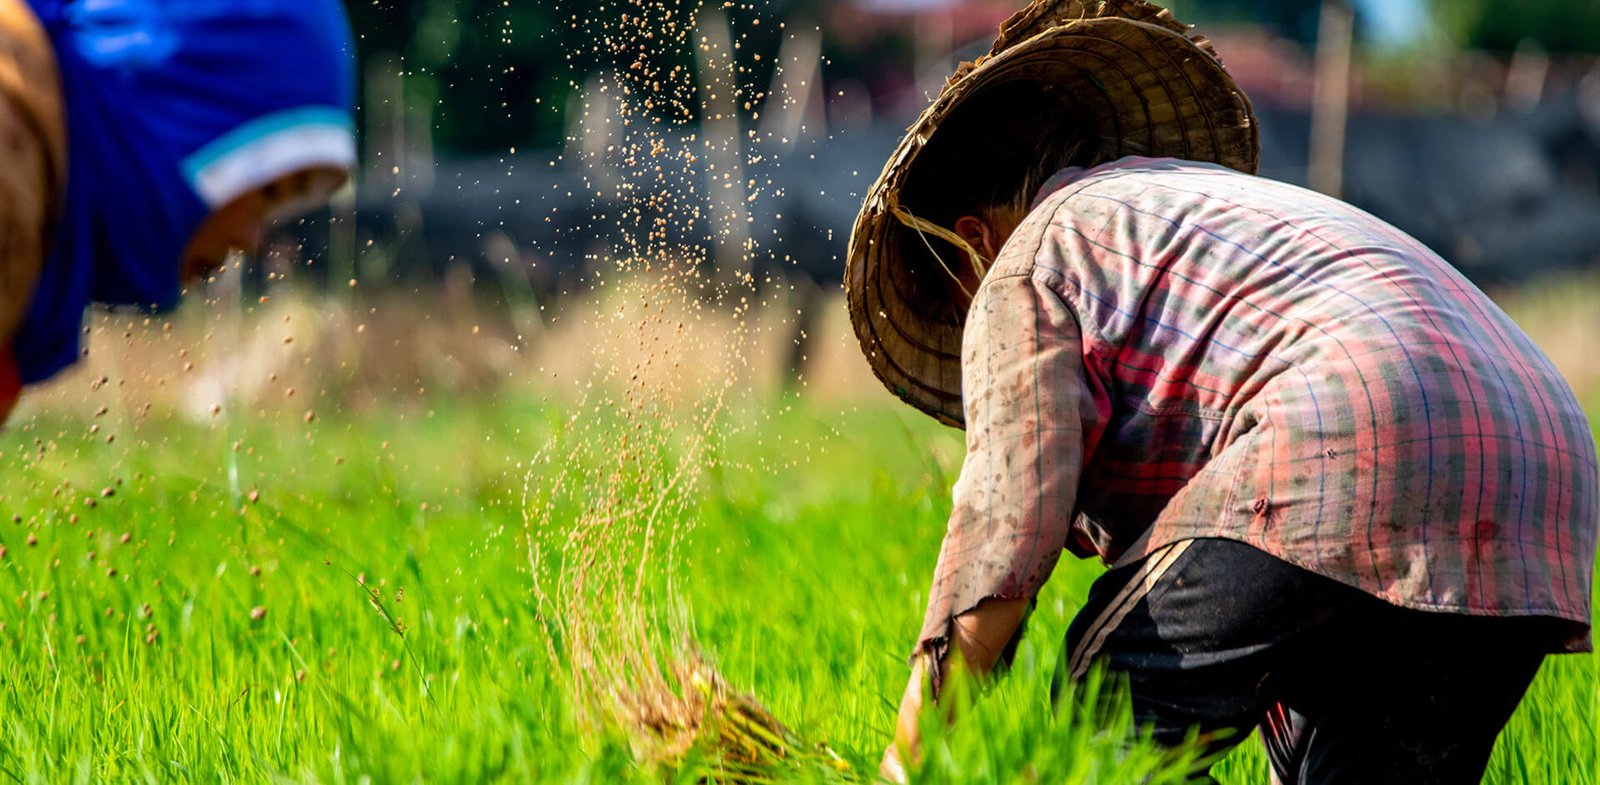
[{"x": 698, "y": 723}]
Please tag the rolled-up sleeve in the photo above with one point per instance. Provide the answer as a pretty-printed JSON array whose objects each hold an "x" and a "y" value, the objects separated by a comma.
[{"x": 1025, "y": 402}]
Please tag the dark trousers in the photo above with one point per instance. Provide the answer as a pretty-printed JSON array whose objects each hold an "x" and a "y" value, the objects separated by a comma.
[{"x": 1217, "y": 636}]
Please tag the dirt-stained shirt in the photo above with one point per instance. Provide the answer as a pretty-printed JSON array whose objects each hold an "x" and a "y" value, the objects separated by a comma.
[{"x": 1168, "y": 350}]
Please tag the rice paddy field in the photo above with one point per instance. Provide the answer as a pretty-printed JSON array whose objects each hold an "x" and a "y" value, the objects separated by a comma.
[
  {"x": 302, "y": 584},
  {"x": 377, "y": 537}
]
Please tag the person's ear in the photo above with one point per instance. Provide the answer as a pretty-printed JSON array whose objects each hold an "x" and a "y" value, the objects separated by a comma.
[{"x": 978, "y": 234}]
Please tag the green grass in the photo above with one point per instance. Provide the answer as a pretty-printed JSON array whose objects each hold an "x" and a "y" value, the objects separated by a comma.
[{"x": 805, "y": 577}]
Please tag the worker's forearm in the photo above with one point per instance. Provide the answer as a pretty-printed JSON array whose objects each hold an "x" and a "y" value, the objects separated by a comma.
[{"x": 980, "y": 635}]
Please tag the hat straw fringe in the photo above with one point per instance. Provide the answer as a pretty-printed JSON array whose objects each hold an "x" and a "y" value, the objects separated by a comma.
[{"x": 925, "y": 227}]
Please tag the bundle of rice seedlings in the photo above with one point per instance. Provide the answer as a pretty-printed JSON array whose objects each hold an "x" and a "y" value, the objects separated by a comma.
[{"x": 721, "y": 735}]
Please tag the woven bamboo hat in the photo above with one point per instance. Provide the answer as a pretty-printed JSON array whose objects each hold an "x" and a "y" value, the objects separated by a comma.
[{"x": 1148, "y": 87}]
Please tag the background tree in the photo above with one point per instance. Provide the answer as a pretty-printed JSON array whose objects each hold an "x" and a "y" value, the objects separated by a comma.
[
  {"x": 479, "y": 65},
  {"x": 1295, "y": 19},
  {"x": 1503, "y": 25},
  {"x": 495, "y": 74}
]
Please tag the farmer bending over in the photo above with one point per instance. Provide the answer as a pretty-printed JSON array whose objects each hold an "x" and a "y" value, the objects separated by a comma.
[
  {"x": 1342, "y": 496},
  {"x": 143, "y": 141}
]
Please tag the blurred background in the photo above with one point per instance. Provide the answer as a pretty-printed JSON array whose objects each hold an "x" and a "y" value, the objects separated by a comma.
[
  {"x": 521, "y": 159},
  {"x": 1472, "y": 124}
]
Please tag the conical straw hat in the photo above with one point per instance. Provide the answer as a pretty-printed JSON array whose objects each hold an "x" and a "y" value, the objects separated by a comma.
[{"x": 1152, "y": 89}]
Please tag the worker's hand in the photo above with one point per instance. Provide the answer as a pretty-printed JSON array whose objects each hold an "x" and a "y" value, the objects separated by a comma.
[
  {"x": 979, "y": 636},
  {"x": 891, "y": 770},
  {"x": 907, "y": 733}
]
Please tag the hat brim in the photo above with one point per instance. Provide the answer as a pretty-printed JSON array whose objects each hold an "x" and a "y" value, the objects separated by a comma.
[{"x": 1151, "y": 91}]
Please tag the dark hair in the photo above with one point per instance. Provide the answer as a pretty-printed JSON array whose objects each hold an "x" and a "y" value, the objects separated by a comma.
[{"x": 997, "y": 150}]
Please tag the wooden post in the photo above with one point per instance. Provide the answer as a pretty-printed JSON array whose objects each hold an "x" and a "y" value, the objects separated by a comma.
[
  {"x": 591, "y": 134},
  {"x": 795, "y": 103},
  {"x": 719, "y": 136},
  {"x": 386, "y": 121},
  {"x": 1525, "y": 78},
  {"x": 1330, "y": 110}
]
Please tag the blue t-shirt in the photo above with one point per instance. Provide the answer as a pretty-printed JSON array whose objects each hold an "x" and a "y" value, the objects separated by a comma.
[{"x": 175, "y": 107}]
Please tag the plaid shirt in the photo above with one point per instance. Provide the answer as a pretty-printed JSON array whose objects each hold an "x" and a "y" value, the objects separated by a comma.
[{"x": 1168, "y": 350}]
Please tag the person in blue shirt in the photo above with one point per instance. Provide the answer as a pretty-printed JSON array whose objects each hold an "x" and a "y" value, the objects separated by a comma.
[{"x": 144, "y": 141}]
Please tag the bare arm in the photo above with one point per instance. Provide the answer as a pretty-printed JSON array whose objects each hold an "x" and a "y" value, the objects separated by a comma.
[
  {"x": 980, "y": 635},
  {"x": 1031, "y": 414}
]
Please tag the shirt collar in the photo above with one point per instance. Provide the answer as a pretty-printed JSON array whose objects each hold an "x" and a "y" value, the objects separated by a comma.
[{"x": 1073, "y": 174}]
